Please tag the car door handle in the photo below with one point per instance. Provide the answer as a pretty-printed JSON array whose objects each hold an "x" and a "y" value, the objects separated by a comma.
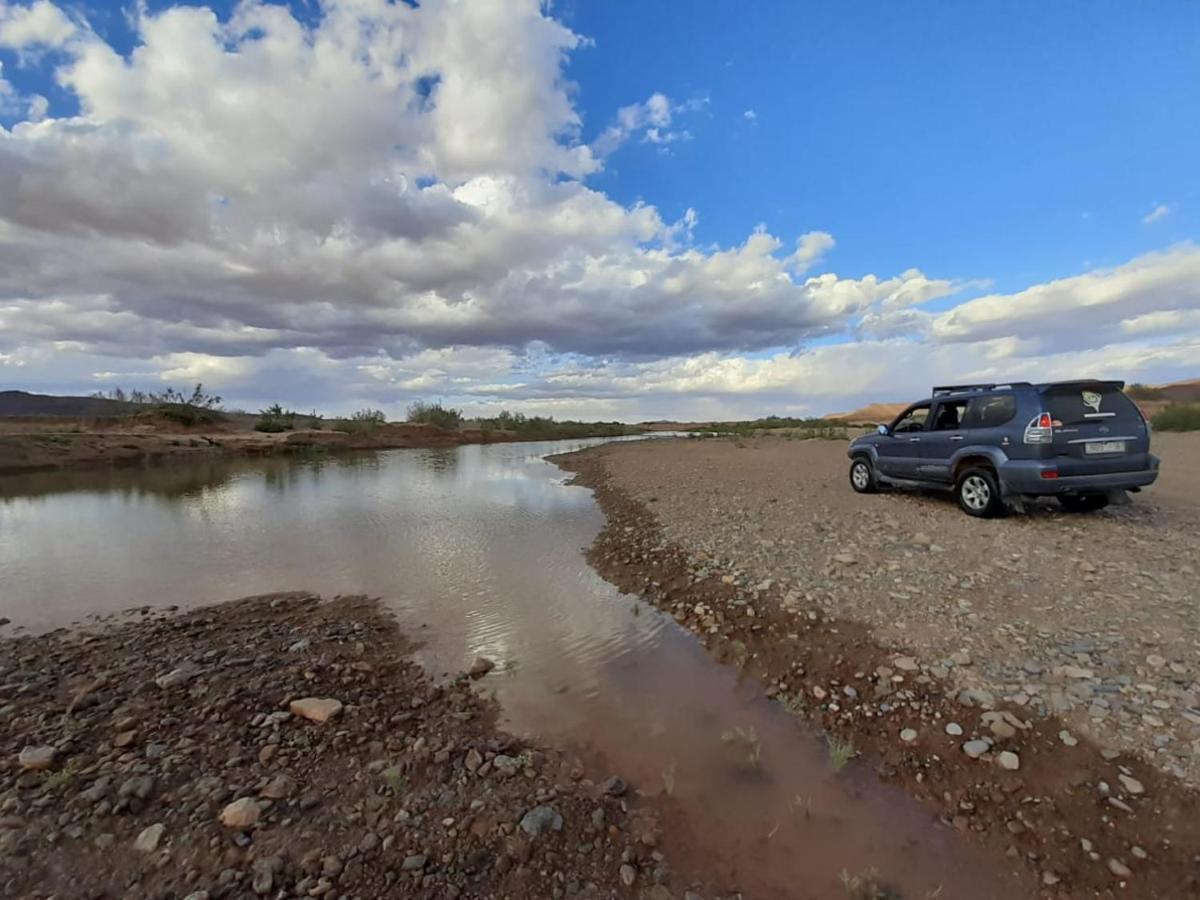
[{"x": 956, "y": 437}]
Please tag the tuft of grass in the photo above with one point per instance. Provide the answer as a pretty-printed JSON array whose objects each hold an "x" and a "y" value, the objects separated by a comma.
[
  {"x": 794, "y": 703},
  {"x": 803, "y": 804},
  {"x": 748, "y": 737},
  {"x": 1178, "y": 417},
  {"x": 741, "y": 654},
  {"x": 56, "y": 780},
  {"x": 866, "y": 885},
  {"x": 396, "y": 782},
  {"x": 840, "y": 752},
  {"x": 668, "y": 779}
]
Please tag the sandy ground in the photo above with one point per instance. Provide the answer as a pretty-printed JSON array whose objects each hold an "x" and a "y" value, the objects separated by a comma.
[
  {"x": 1061, "y": 649},
  {"x": 182, "y": 757}
]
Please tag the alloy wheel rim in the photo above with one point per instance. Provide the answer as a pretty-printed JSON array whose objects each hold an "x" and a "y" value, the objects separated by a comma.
[
  {"x": 976, "y": 493},
  {"x": 860, "y": 475}
]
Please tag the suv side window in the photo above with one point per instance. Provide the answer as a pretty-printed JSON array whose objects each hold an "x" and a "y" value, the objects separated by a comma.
[
  {"x": 949, "y": 415},
  {"x": 990, "y": 412},
  {"x": 914, "y": 420}
]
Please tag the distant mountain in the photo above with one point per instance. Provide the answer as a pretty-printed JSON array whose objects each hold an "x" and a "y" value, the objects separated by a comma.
[{"x": 22, "y": 403}]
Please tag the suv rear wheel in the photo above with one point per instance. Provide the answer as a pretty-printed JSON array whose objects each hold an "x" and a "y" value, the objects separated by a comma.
[
  {"x": 862, "y": 476},
  {"x": 1082, "y": 503},
  {"x": 978, "y": 493}
]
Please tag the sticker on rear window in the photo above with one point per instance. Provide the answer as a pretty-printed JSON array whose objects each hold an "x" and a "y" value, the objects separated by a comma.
[{"x": 1092, "y": 400}]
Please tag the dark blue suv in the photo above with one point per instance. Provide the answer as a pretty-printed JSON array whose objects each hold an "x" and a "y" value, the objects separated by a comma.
[{"x": 1083, "y": 442}]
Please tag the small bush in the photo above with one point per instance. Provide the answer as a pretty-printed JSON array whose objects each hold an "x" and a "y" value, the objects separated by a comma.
[
  {"x": 361, "y": 421},
  {"x": 275, "y": 419},
  {"x": 422, "y": 413},
  {"x": 1178, "y": 417}
]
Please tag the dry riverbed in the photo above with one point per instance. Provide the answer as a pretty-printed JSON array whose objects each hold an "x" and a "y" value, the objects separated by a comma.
[
  {"x": 285, "y": 746},
  {"x": 1034, "y": 678}
]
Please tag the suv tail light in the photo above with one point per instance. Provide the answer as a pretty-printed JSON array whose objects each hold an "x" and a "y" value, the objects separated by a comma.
[{"x": 1040, "y": 430}]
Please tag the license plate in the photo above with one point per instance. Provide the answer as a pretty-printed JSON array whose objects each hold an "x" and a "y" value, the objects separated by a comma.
[{"x": 1104, "y": 447}]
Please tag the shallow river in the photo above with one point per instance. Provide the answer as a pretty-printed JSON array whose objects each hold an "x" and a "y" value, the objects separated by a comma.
[{"x": 479, "y": 551}]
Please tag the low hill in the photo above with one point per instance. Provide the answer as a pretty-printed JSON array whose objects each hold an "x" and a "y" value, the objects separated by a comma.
[
  {"x": 23, "y": 403},
  {"x": 1150, "y": 397},
  {"x": 874, "y": 414}
]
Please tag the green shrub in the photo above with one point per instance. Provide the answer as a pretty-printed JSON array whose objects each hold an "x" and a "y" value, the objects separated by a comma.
[
  {"x": 1178, "y": 417},
  {"x": 422, "y": 413},
  {"x": 275, "y": 419},
  {"x": 362, "y": 421}
]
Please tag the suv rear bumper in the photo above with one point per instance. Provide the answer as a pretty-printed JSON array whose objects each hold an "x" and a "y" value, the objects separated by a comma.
[{"x": 1019, "y": 476}]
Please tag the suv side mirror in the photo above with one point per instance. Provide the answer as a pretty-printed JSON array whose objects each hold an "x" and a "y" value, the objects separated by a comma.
[{"x": 882, "y": 429}]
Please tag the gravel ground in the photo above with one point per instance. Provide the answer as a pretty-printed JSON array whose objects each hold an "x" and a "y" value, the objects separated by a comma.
[
  {"x": 286, "y": 747},
  {"x": 1092, "y": 618}
]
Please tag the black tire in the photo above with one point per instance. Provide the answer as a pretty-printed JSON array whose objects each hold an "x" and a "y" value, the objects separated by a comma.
[
  {"x": 1082, "y": 503},
  {"x": 978, "y": 493},
  {"x": 862, "y": 475}
]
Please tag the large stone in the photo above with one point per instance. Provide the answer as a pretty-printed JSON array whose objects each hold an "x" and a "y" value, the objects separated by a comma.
[
  {"x": 279, "y": 788},
  {"x": 316, "y": 709},
  {"x": 481, "y": 667},
  {"x": 1009, "y": 760},
  {"x": 241, "y": 813},
  {"x": 540, "y": 819},
  {"x": 1132, "y": 785},
  {"x": 177, "y": 676},
  {"x": 147, "y": 841},
  {"x": 37, "y": 759}
]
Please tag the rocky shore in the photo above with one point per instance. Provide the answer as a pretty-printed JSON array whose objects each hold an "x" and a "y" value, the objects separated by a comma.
[
  {"x": 684, "y": 532},
  {"x": 287, "y": 747}
]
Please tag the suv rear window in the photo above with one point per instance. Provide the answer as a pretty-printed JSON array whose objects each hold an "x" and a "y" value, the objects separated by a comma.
[
  {"x": 990, "y": 412},
  {"x": 1079, "y": 403}
]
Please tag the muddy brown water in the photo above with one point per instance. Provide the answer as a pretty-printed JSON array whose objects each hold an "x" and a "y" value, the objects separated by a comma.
[{"x": 479, "y": 551}]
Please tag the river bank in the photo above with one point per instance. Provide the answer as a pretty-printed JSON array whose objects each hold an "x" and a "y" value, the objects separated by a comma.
[
  {"x": 763, "y": 552},
  {"x": 286, "y": 746},
  {"x": 35, "y": 445}
]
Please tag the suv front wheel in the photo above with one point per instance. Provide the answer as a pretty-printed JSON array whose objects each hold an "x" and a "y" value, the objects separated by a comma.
[
  {"x": 978, "y": 493},
  {"x": 862, "y": 476}
]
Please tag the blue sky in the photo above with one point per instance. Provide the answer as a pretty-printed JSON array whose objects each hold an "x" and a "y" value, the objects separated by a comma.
[
  {"x": 985, "y": 188},
  {"x": 1015, "y": 142}
]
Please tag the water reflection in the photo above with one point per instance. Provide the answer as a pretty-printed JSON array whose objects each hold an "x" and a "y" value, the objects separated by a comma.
[{"x": 482, "y": 544}]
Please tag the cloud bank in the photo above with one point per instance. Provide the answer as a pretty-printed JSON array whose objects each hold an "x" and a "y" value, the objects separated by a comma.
[{"x": 394, "y": 202}]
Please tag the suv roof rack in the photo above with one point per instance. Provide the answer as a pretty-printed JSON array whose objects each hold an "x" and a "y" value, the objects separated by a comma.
[{"x": 944, "y": 389}]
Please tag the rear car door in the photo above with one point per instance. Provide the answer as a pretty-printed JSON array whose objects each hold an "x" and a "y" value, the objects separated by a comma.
[
  {"x": 1097, "y": 428},
  {"x": 943, "y": 436},
  {"x": 899, "y": 452}
]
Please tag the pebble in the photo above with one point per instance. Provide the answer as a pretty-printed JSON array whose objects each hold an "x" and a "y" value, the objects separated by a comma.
[
  {"x": 1009, "y": 760},
  {"x": 1119, "y": 868},
  {"x": 975, "y": 749},
  {"x": 908, "y": 735},
  {"x": 953, "y": 729},
  {"x": 414, "y": 863},
  {"x": 147, "y": 841},
  {"x": 628, "y": 875},
  {"x": 316, "y": 709},
  {"x": 1067, "y": 738},
  {"x": 615, "y": 787},
  {"x": 241, "y": 813},
  {"x": 905, "y": 664}
]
